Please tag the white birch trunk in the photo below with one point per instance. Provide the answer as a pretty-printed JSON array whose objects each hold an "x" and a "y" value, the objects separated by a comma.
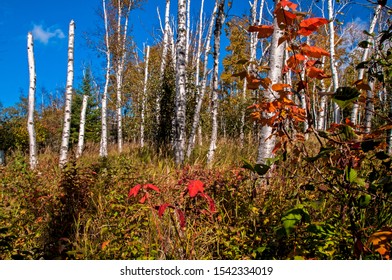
[
  {"x": 180, "y": 118},
  {"x": 188, "y": 29},
  {"x": 220, "y": 19},
  {"x": 323, "y": 105},
  {"x": 369, "y": 109},
  {"x": 195, "y": 123},
  {"x": 2, "y": 157},
  {"x": 365, "y": 54},
  {"x": 121, "y": 44},
  {"x": 164, "y": 60},
  {"x": 103, "y": 151},
  {"x": 79, "y": 151},
  {"x": 334, "y": 72},
  {"x": 266, "y": 141},
  {"x": 30, "y": 118},
  {"x": 68, "y": 97},
  {"x": 144, "y": 97}
]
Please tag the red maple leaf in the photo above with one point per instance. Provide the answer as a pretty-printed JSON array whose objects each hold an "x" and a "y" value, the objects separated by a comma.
[
  {"x": 194, "y": 187},
  {"x": 309, "y": 25}
]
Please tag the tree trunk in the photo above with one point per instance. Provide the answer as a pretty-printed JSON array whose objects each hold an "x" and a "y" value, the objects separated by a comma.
[
  {"x": 163, "y": 60},
  {"x": 220, "y": 19},
  {"x": 103, "y": 151},
  {"x": 2, "y": 157},
  {"x": 323, "y": 104},
  {"x": 30, "y": 118},
  {"x": 144, "y": 96},
  {"x": 121, "y": 44},
  {"x": 200, "y": 97},
  {"x": 188, "y": 29},
  {"x": 180, "y": 119},
  {"x": 82, "y": 127},
  {"x": 334, "y": 71},
  {"x": 365, "y": 54},
  {"x": 266, "y": 141},
  {"x": 192, "y": 136},
  {"x": 389, "y": 132},
  {"x": 68, "y": 97}
]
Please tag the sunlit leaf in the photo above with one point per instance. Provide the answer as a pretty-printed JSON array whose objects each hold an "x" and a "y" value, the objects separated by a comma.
[
  {"x": 134, "y": 191},
  {"x": 152, "y": 187},
  {"x": 194, "y": 187},
  {"x": 313, "y": 51}
]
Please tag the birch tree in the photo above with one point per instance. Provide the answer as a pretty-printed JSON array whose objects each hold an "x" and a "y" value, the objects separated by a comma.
[
  {"x": 334, "y": 71},
  {"x": 103, "y": 151},
  {"x": 82, "y": 126},
  {"x": 165, "y": 47},
  {"x": 180, "y": 102},
  {"x": 365, "y": 55},
  {"x": 220, "y": 19},
  {"x": 203, "y": 86},
  {"x": 146, "y": 58},
  {"x": 30, "y": 117},
  {"x": 122, "y": 15},
  {"x": 276, "y": 59},
  {"x": 68, "y": 97}
]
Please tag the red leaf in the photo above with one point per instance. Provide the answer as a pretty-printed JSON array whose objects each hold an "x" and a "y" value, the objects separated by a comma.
[
  {"x": 134, "y": 191},
  {"x": 194, "y": 187},
  {"x": 144, "y": 198},
  {"x": 211, "y": 202},
  {"x": 181, "y": 218},
  {"x": 308, "y": 26},
  {"x": 152, "y": 187},
  {"x": 162, "y": 208},
  {"x": 289, "y": 4}
]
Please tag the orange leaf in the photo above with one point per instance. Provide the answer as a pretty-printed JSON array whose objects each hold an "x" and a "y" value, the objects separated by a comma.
[
  {"x": 194, "y": 187},
  {"x": 313, "y": 51},
  {"x": 105, "y": 244},
  {"x": 360, "y": 84},
  {"x": 279, "y": 87},
  {"x": 314, "y": 72},
  {"x": 289, "y": 4},
  {"x": 264, "y": 31},
  {"x": 308, "y": 26},
  {"x": 144, "y": 198},
  {"x": 242, "y": 75},
  {"x": 295, "y": 60}
]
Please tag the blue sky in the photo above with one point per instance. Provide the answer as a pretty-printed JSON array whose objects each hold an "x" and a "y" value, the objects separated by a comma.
[{"x": 49, "y": 20}]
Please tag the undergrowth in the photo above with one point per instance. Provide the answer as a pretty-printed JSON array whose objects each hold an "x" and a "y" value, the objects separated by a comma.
[{"x": 138, "y": 205}]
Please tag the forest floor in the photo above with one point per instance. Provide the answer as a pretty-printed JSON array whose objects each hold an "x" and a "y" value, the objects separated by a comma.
[{"x": 139, "y": 205}]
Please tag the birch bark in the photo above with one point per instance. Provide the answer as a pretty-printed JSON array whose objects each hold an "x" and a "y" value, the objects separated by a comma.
[
  {"x": 365, "y": 54},
  {"x": 147, "y": 55},
  {"x": 32, "y": 88},
  {"x": 267, "y": 141},
  {"x": 334, "y": 72},
  {"x": 180, "y": 108},
  {"x": 68, "y": 97},
  {"x": 82, "y": 127},
  {"x": 163, "y": 60},
  {"x": 220, "y": 19},
  {"x": 196, "y": 117},
  {"x": 103, "y": 151}
]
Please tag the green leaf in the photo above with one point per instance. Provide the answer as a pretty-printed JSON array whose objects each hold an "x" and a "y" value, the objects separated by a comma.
[
  {"x": 293, "y": 217},
  {"x": 261, "y": 169},
  {"x": 248, "y": 165},
  {"x": 364, "y": 44},
  {"x": 344, "y": 96},
  {"x": 364, "y": 200},
  {"x": 351, "y": 175},
  {"x": 324, "y": 152},
  {"x": 362, "y": 65}
]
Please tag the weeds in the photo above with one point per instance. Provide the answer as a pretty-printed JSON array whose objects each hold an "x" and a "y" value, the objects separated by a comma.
[{"x": 137, "y": 205}]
